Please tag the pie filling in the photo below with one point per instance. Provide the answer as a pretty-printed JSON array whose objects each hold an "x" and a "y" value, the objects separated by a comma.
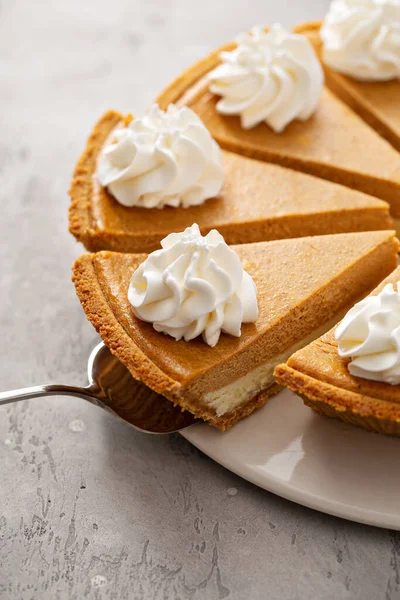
[
  {"x": 243, "y": 390},
  {"x": 396, "y": 225}
]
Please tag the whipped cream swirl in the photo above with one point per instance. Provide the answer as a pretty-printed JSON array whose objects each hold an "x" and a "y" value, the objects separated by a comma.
[
  {"x": 163, "y": 159},
  {"x": 370, "y": 335},
  {"x": 270, "y": 77},
  {"x": 361, "y": 38},
  {"x": 194, "y": 285}
]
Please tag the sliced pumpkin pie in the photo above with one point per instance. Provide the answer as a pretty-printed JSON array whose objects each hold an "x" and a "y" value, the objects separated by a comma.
[
  {"x": 371, "y": 87},
  {"x": 254, "y": 305},
  {"x": 257, "y": 202},
  {"x": 353, "y": 371},
  {"x": 263, "y": 97}
]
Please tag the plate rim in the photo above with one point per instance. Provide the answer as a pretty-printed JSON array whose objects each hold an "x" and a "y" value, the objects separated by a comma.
[{"x": 290, "y": 492}]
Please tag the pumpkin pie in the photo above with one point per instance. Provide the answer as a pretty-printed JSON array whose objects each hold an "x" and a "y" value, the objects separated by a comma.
[
  {"x": 335, "y": 143},
  {"x": 376, "y": 102},
  {"x": 258, "y": 202},
  {"x": 303, "y": 286},
  {"x": 321, "y": 378}
]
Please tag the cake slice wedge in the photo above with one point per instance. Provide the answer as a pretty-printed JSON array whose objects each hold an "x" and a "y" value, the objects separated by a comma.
[
  {"x": 376, "y": 102},
  {"x": 335, "y": 143},
  {"x": 259, "y": 202},
  {"x": 303, "y": 287},
  {"x": 321, "y": 378}
]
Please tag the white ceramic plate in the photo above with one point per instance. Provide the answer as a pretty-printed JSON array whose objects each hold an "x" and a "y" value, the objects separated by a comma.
[{"x": 319, "y": 462}]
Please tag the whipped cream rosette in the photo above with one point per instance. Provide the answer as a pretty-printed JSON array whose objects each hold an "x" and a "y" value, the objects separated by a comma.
[
  {"x": 272, "y": 77},
  {"x": 361, "y": 38},
  {"x": 162, "y": 159},
  {"x": 194, "y": 286},
  {"x": 370, "y": 335}
]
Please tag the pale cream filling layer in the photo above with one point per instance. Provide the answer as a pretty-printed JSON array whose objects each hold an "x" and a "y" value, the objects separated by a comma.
[{"x": 261, "y": 378}]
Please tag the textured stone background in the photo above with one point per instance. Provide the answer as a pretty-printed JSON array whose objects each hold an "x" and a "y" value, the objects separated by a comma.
[{"x": 88, "y": 507}]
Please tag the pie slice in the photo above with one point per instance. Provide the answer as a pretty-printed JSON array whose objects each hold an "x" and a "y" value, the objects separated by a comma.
[
  {"x": 258, "y": 202},
  {"x": 377, "y": 102},
  {"x": 303, "y": 286},
  {"x": 321, "y": 378},
  {"x": 334, "y": 144}
]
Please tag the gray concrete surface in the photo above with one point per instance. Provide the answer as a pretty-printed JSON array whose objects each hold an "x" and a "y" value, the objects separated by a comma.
[{"x": 88, "y": 507}]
